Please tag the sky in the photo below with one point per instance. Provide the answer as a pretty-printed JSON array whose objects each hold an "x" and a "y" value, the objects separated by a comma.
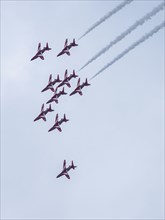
[{"x": 115, "y": 133}]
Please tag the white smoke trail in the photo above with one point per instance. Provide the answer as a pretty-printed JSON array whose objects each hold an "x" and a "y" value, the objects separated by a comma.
[
  {"x": 125, "y": 33},
  {"x": 141, "y": 40},
  {"x": 108, "y": 15}
]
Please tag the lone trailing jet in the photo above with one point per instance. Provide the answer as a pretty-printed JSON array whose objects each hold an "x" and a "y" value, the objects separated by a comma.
[
  {"x": 56, "y": 95},
  {"x": 67, "y": 47},
  {"x": 67, "y": 78},
  {"x": 51, "y": 83},
  {"x": 40, "y": 52},
  {"x": 58, "y": 123},
  {"x": 66, "y": 169},
  {"x": 44, "y": 112},
  {"x": 79, "y": 87}
]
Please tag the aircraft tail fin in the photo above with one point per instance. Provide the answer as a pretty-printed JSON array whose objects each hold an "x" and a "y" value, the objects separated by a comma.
[
  {"x": 47, "y": 47},
  {"x": 86, "y": 83},
  {"x": 63, "y": 92},
  {"x": 58, "y": 78},
  {"x": 74, "y": 74},
  {"x": 74, "y": 43},
  {"x": 65, "y": 119},
  {"x": 73, "y": 166},
  {"x": 50, "y": 108}
]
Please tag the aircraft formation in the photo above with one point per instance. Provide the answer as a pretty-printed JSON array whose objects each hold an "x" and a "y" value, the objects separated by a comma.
[{"x": 54, "y": 86}]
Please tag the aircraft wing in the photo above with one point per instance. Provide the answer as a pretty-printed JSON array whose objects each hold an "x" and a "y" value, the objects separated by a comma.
[
  {"x": 64, "y": 164},
  {"x": 59, "y": 128},
  {"x": 44, "y": 118},
  {"x": 39, "y": 46},
  {"x": 80, "y": 92},
  {"x": 41, "y": 56},
  {"x": 68, "y": 84},
  {"x": 66, "y": 43},
  {"x": 67, "y": 175},
  {"x": 42, "y": 108},
  {"x": 56, "y": 118},
  {"x": 68, "y": 53},
  {"x": 50, "y": 78}
]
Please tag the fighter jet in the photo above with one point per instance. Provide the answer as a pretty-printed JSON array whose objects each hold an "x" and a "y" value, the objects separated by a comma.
[
  {"x": 67, "y": 79},
  {"x": 40, "y": 52},
  {"x": 66, "y": 169},
  {"x": 64, "y": 119},
  {"x": 73, "y": 75},
  {"x": 43, "y": 113},
  {"x": 73, "y": 44},
  {"x": 56, "y": 95},
  {"x": 79, "y": 87},
  {"x": 65, "y": 49},
  {"x": 49, "y": 109},
  {"x": 58, "y": 123},
  {"x": 51, "y": 83}
]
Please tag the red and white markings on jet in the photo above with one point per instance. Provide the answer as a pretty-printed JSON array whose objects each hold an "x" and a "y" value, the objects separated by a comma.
[
  {"x": 67, "y": 47},
  {"x": 40, "y": 52},
  {"x": 43, "y": 113},
  {"x": 58, "y": 123},
  {"x": 65, "y": 170}
]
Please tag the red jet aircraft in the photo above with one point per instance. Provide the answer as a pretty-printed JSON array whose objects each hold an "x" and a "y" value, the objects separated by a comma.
[
  {"x": 40, "y": 52},
  {"x": 58, "y": 123},
  {"x": 67, "y": 78},
  {"x": 44, "y": 112},
  {"x": 56, "y": 95},
  {"x": 51, "y": 83},
  {"x": 66, "y": 169},
  {"x": 79, "y": 87},
  {"x": 67, "y": 47}
]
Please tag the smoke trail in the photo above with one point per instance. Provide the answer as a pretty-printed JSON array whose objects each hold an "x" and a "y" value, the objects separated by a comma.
[
  {"x": 141, "y": 40},
  {"x": 108, "y": 15},
  {"x": 128, "y": 31}
]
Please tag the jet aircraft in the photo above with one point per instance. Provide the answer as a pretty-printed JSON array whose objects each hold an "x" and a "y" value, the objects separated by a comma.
[
  {"x": 67, "y": 78},
  {"x": 58, "y": 123},
  {"x": 43, "y": 113},
  {"x": 51, "y": 83},
  {"x": 67, "y": 47},
  {"x": 40, "y": 52},
  {"x": 72, "y": 44},
  {"x": 66, "y": 169},
  {"x": 79, "y": 87},
  {"x": 65, "y": 81},
  {"x": 64, "y": 119},
  {"x": 56, "y": 95}
]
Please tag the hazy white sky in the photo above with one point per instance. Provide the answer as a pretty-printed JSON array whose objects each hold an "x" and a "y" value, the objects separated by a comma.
[{"x": 115, "y": 133}]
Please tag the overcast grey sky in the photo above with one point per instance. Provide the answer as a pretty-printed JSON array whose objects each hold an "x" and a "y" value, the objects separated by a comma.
[{"x": 115, "y": 133}]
